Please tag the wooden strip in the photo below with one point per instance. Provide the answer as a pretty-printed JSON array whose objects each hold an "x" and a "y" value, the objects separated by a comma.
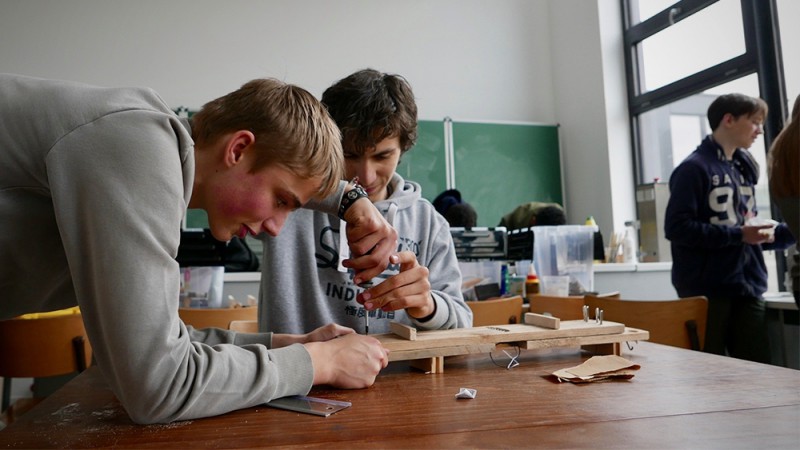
[
  {"x": 603, "y": 343},
  {"x": 403, "y": 330},
  {"x": 630, "y": 334},
  {"x": 496, "y": 334},
  {"x": 455, "y": 350},
  {"x": 540, "y": 320}
]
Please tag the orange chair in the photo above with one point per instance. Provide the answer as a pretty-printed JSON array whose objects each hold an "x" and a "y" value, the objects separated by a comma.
[
  {"x": 565, "y": 308},
  {"x": 41, "y": 347},
  {"x": 497, "y": 311},
  {"x": 679, "y": 323},
  {"x": 216, "y": 317}
]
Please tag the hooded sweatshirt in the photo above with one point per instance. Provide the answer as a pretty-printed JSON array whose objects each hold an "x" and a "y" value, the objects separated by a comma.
[
  {"x": 710, "y": 200},
  {"x": 306, "y": 290},
  {"x": 94, "y": 183}
]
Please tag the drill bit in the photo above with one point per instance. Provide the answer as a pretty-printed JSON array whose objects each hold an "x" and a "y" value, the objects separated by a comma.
[{"x": 366, "y": 285}]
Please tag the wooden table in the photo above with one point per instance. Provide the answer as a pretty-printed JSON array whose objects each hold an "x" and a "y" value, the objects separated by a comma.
[{"x": 679, "y": 399}]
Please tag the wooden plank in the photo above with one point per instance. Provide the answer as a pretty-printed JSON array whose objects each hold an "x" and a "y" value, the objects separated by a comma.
[
  {"x": 630, "y": 334},
  {"x": 405, "y": 355},
  {"x": 496, "y": 334},
  {"x": 600, "y": 344},
  {"x": 403, "y": 330},
  {"x": 540, "y": 320}
]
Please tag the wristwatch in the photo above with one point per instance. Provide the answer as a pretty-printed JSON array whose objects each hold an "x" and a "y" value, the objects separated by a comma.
[{"x": 351, "y": 197}]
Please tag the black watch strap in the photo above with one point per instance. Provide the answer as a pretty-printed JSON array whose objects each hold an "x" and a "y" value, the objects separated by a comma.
[{"x": 351, "y": 197}]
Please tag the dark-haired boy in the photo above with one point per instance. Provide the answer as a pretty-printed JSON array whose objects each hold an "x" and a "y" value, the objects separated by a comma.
[{"x": 716, "y": 247}]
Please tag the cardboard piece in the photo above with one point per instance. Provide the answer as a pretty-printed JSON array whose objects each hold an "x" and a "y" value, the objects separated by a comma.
[{"x": 598, "y": 368}]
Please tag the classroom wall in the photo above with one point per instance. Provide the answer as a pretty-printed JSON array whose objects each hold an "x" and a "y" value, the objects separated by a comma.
[{"x": 546, "y": 61}]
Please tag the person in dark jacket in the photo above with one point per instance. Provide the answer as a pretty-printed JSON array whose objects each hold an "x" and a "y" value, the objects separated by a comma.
[
  {"x": 715, "y": 234},
  {"x": 457, "y": 212}
]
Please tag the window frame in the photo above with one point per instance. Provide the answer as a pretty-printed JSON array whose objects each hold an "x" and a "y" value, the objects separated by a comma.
[{"x": 763, "y": 56}]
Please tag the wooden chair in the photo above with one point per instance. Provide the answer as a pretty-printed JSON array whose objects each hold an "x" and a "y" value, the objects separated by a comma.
[
  {"x": 498, "y": 311},
  {"x": 565, "y": 308},
  {"x": 679, "y": 323},
  {"x": 43, "y": 347},
  {"x": 244, "y": 326},
  {"x": 216, "y": 317}
]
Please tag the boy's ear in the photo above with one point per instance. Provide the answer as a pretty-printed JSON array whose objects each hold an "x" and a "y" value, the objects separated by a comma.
[
  {"x": 728, "y": 119},
  {"x": 236, "y": 145}
]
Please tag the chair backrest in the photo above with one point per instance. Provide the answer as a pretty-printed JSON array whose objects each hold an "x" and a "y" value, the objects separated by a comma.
[
  {"x": 31, "y": 348},
  {"x": 216, "y": 317},
  {"x": 499, "y": 311},
  {"x": 679, "y": 323},
  {"x": 244, "y": 326},
  {"x": 565, "y": 308}
]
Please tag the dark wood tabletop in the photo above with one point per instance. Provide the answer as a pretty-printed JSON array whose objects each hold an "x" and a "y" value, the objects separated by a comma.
[{"x": 678, "y": 399}]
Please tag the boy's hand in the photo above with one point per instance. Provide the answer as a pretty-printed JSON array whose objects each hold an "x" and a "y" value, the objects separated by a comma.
[
  {"x": 758, "y": 234},
  {"x": 351, "y": 362},
  {"x": 410, "y": 290},
  {"x": 327, "y": 332},
  {"x": 372, "y": 241}
]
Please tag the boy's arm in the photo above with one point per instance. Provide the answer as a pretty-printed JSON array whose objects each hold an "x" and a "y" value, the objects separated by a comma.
[
  {"x": 371, "y": 238},
  {"x": 445, "y": 278},
  {"x": 118, "y": 196}
]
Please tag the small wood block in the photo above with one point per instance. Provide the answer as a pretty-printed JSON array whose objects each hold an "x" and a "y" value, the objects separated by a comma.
[
  {"x": 540, "y": 320},
  {"x": 404, "y": 331},
  {"x": 429, "y": 365},
  {"x": 612, "y": 348}
]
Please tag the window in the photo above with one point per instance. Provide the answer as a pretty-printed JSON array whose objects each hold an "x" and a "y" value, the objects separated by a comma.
[
  {"x": 665, "y": 56},
  {"x": 681, "y": 55},
  {"x": 790, "y": 49}
]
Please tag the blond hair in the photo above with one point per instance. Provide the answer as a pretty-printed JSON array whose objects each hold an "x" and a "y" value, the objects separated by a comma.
[
  {"x": 784, "y": 158},
  {"x": 291, "y": 127}
]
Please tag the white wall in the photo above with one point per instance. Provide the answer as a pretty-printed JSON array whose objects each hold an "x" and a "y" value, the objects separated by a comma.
[
  {"x": 470, "y": 58},
  {"x": 591, "y": 106},
  {"x": 507, "y": 60}
]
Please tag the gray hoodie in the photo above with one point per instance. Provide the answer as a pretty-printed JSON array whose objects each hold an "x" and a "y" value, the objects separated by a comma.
[
  {"x": 94, "y": 183},
  {"x": 302, "y": 289}
]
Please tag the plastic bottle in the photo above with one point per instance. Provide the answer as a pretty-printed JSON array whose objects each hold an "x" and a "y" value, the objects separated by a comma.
[
  {"x": 516, "y": 282},
  {"x": 629, "y": 245},
  {"x": 599, "y": 250},
  {"x": 503, "y": 279},
  {"x": 531, "y": 283}
]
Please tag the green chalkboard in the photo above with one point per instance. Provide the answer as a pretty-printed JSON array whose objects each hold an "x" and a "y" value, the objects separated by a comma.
[
  {"x": 425, "y": 162},
  {"x": 497, "y": 166}
]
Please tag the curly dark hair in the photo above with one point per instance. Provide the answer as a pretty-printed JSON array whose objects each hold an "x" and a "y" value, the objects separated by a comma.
[{"x": 369, "y": 106}]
